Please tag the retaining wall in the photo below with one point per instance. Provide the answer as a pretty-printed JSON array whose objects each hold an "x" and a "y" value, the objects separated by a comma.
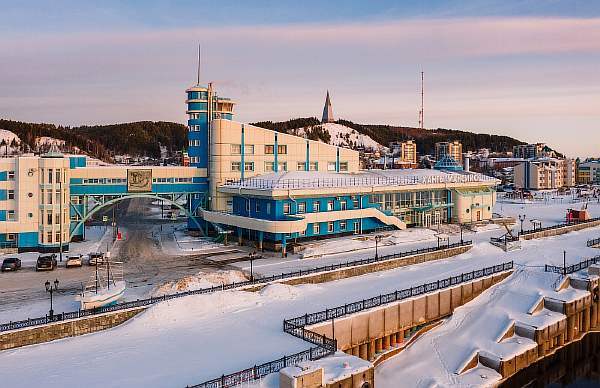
[
  {"x": 64, "y": 329},
  {"x": 559, "y": 231}
]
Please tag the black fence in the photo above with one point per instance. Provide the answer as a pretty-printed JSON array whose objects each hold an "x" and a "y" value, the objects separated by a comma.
[
  {"x": 257, "y": 281},
  {"x": 569, "y": 269},
  {"x": 327, "y": 346},
  {"x": 593, "y": 242},
  {"x": 504, "y": 239},
  {"x": 557, "y": 226}
]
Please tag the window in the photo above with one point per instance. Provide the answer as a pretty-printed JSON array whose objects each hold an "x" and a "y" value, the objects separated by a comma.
[
  {"x": 301, "y": 207},
  {"x": 194, "y": 143},
  {"x": 286, "y": 208},
  {"x": 248, "y": 206},
  {"x": 11, "y": 175},
  {"x": 313, "y": 166},
  {"x": 57, "y": 237},
  {"x": 49, "y": 237},
  {"x": 249, "y": 149},
  {"x": 302, "y": 233},
  {"x": 268, "y": 207},
  {"x": 316, "y": 206},
  {"x": 301, "y": 166},
  {"x": 330, "y": 227},
  {"x": 236, "y": 149},
  {"x": 50, "y": 176},
  {"x": 249, "y": 166},
  {"x": 269, "y": 149},
  {"x": 331, "y": 166},
  {"x": 10, "y": 237},
  {"x": 282, "y": 149},
  {"x": 11, "y": 194},
  {"x": 236, "y": 166},
  {"x": 257, "y": 207},
  {"x": 342, "y": 226},
  {"x": 269, "y": 166},
  {"x": 343, "y": 166},
  {"x": 343, "y": 205},
  {"x": 316, "y": 228},
  {"x": 329, "y": 206},
  {"x": 10, "y": 215},
  {"x": 49, "y": 218},
  {"x": 57, "y": 175},
  {"x": 355, "y": 203},
  {"x": 282, "y": 166}
]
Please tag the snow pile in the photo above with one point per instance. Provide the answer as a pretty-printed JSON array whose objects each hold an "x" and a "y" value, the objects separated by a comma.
[
  {"x": 46, "y": 141},
  {"x": 343, "y": 136},
  {"x": 280, "y": 291},
  {"x": 201, "y": 280}
]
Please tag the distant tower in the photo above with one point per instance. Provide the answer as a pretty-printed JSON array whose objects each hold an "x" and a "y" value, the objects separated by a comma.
[
  {"x": 422, "y": 110},
  {"x": 327, "y": 111}
]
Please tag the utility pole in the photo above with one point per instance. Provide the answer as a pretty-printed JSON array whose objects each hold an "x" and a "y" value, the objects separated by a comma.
[
  {"x": 422, "y": 110},
  {"x": 60, "y": 217}
]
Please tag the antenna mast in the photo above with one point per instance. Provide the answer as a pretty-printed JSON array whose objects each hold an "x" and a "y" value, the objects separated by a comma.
[
  {"x": 198, "y": 65},
  {"x": 422, "y": 111}
]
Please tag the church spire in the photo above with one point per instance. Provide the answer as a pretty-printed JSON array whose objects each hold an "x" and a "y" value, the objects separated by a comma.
[{"x": 327, "y": 111}]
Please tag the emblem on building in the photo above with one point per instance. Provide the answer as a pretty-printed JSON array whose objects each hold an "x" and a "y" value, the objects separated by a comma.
[{"x": 139, "y": 181}]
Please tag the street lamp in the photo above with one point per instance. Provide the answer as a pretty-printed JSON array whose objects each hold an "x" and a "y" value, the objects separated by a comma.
[
  {"x": 377, "y": 239},
  {"x": 253, "y": 256},
  {"x": 461, "y": 233},
  {"x": 522, "y": 218},
  {"x": 51, "y": 288}
]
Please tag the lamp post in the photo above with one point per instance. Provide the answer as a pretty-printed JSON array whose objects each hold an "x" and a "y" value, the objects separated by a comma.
[
  {"x": 377, "y": 239},
  {"x": 461, "y": 233},
  {"x": 51, "y": 288},
  {"x": 253, "y": 256},
  {"x": 522, "y": 218}
]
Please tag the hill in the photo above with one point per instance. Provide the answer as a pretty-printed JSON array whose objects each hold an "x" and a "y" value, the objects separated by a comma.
[
  {"x": 144, "y": 138},
  {"x": 384, "y": 134}
]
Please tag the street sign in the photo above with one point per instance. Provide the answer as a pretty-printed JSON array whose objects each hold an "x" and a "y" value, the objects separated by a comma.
[{"x": 104, "y": 218}]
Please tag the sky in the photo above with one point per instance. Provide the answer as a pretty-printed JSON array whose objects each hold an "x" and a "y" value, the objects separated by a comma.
[{"x": 527, "y": 69}]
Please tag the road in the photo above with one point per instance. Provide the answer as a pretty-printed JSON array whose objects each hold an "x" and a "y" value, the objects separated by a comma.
[{"x": 146, "y": 266}]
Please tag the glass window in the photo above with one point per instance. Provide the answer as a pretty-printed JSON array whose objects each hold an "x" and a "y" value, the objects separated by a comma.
[
  {"x": 316, "y": 206},
  {"x": 269, "y": 166},
  {"x": 49, "y": 237},
  {"x": 286, "y": 208},
  {"x": 236, "y": 166},
  {"x": 257, "y": 207},
  {"x": 57, "y": 175},
  {"x": 313, "y": 166},
  {"x": 355, "y": 203},
  {"x": 268, "y": 207},
  {"x": 269, "y": 149},
  {"x": 343, "y": 205},
  {"x": 301, "y": 207},
  {"x": 342, "y": 226},
  {"x": 11, "y": 194},
  {"x": 247, "y": 206},
  {"x": 10, "y": 215},
  {"x": 330, "y": 227},
  {"x": 316, "y": 228},
  {"x": 343, "y": 166},
  {"x": 249, "y": 166},
  {"x": 329, "y": 206},
  {"x": 50, "y": 174},
  {"x": 249, "y": 149},
  {"x": 301, "y": 166},
  {"x": 282, "y": 166},
  {"x": 282, "y": 149},
  {"x": 331, "y": 166},
  {"x": 236, "y": 149},
  {"x": 11, "y": 175}
]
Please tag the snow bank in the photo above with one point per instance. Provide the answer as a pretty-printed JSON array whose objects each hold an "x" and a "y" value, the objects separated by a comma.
[
  {"x": 201, "y": 280},
  {"x": 280, "y": 291},
  {"x": 343, "y": 136}
]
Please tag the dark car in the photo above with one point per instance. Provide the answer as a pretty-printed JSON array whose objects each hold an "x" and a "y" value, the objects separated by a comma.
[
  {"x": 96, "y": 258},
  {"x": 46, "y": 263},
  {"x": 11, "y": 264}
]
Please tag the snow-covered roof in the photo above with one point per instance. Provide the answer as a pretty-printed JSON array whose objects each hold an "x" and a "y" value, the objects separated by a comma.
[{"x": 366, "y": 178}]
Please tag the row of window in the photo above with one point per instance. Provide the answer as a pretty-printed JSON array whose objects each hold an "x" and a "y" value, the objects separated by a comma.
[
  {"x": 194, "y": 128},
  {"x": 10, "y": 194},
  {"x": 49, "y": 197},
  {"x": 48, "y": 238},
  {"x": 172, "y": 180},
  {"x": 194, "y": 143},
  {"x": 104, "y": 181},
  {"x": 283, "y": 166},
  {"x": 10, "y": 175},
  {"x": 236, "y": 149},
  {"x": 301, "y": 207},
  {"x": 53, "y": 175}
]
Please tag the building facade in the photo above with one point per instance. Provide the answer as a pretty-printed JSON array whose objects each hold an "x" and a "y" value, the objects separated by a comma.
[
  {"x": 545, "y": 174},
  {"x": 589, "y": 172},
  {"x": 533, "y": 151},
  {"x": 451, "y": 149}
]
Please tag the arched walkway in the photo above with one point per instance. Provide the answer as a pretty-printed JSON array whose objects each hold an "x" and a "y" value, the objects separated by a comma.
[{"x": 131, "y": 196}]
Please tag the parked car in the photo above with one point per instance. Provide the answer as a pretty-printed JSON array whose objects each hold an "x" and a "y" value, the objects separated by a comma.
[
  {"x": 96, "y": 258},
  {"x": 46, "y": 262},
  {"x": 11, "y": 264},
  {"x": 74, "y": 261}
]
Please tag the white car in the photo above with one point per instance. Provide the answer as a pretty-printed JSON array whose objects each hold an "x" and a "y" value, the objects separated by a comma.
[{"x": 74, "y": 261}]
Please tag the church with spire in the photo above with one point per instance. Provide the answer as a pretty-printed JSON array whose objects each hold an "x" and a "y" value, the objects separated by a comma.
[{"x": 327, "y": 111}]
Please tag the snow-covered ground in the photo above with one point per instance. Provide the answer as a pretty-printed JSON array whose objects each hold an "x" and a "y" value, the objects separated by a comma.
[
  {"x": 11, "y": 142},
  {"x": 192, "y": 339},
  {"x": 344, "y": 136}
]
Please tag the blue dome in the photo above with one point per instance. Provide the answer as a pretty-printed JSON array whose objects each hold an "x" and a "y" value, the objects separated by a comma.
[{"x": 447, "y": 163}]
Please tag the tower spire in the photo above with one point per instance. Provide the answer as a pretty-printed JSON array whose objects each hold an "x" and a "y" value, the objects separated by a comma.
[
  {"x": 327, "y": 111},
  {"x": 198, "y": 65},
  {"x": 422, "y": 110}
]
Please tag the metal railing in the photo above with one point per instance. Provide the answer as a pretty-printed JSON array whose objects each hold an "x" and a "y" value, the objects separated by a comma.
[
  {"x": 557, "y": 226},
  {"x": 594, "y": 242},
  {"x": 354, "y": 181},
  {"x": 569, "y": 269},
  {"x": 327, "y": 346},
  {"x": 257, "y": 281}
]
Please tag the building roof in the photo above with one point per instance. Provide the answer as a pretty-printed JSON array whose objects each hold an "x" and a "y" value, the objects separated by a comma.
[
  {"x": 447, "y": 163},
  {"x": 306, "y": 180}
]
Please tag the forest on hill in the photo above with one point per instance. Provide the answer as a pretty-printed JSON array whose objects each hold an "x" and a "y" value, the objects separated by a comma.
[
  {"x": 143, "y": 138},
  {"x": 425, "y": 138}
]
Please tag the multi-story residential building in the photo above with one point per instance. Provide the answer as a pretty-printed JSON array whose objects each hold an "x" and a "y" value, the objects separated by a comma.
[
  {"x": 533, "y": 151},
  {"x": 545, "y": 174},
  {"x": 451, "y": 149},
  {"x": 589, "y": 172},
  {"x": 404, "y": 154}
]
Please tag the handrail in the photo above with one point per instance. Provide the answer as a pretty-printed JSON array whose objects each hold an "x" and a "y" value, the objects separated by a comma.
[
  {"x": 573, "y": 267},
  {"x": 557, "y": 226}
]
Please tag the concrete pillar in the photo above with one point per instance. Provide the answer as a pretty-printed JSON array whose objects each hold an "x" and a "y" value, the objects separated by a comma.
[
  {"x": 364, "y": 351},
  {"x": 386, "y": 342},
  {"x": 400, "y": 337},
  {"x": 371, "y": 350},
  {"x": 378, "y": 345},
  {"x": 393, "y": 340},
  {"x": 283, "y": 247},
  {"x": 586, "y": 320}
]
